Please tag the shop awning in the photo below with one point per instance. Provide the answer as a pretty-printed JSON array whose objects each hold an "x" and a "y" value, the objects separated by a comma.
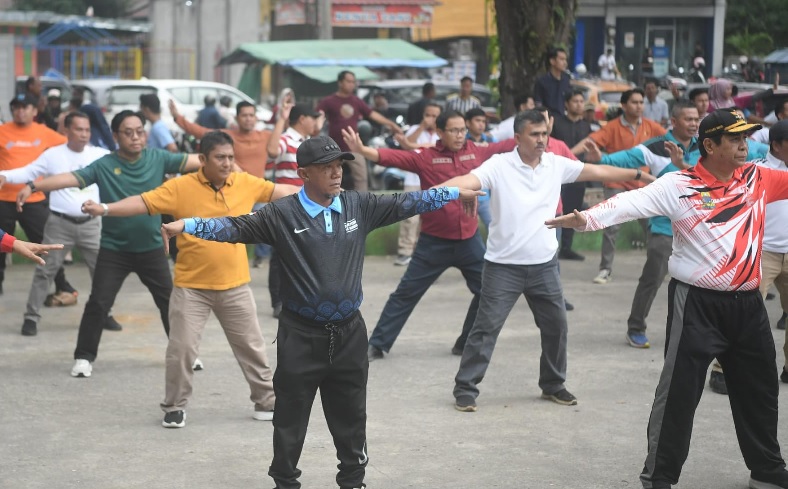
[
  {"x": 371, "y": 53},
  {"x": 779, "y": 56},
  {"x": 328, "y": 74}
]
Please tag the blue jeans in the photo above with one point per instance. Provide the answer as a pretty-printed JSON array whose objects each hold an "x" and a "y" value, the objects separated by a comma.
[
  {"x": 261, "y": 250},
  {"x": 430, "y": 259}
]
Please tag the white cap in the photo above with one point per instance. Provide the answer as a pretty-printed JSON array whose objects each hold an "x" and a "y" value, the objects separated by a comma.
[{"x": 53, "y": 93}]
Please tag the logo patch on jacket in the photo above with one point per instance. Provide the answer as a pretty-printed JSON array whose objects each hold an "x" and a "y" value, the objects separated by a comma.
[{"x": 351, "y": 226}]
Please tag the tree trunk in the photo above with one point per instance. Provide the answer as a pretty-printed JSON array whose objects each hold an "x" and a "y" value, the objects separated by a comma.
[{"x": 527, "y": 29}]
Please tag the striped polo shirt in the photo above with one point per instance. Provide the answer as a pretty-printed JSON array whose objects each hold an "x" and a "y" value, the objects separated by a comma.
[{"x": 286, "y": 164}]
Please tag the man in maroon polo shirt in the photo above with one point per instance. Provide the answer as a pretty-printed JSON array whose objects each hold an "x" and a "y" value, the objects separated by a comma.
[{"x": 449, "y": 237}]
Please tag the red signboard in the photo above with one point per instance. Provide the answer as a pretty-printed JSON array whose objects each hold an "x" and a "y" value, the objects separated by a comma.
[{"x": 381, "y": 16}]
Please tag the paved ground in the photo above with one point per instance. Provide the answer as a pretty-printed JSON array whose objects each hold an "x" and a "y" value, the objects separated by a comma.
[{"x": 104, "y": 432}]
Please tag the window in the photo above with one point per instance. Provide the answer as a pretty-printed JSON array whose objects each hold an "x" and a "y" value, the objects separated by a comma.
[
  {"x": 128, "y": 95},
  {"x": 181, "y": 94}
]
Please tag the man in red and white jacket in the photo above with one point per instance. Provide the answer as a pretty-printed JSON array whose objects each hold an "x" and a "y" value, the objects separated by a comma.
[{"x": 718, "y": 212}]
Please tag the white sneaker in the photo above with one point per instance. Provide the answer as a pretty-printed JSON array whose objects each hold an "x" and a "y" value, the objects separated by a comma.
[
  {"x": 81, "y": 368},
  {"x": 197, "y": 365},
  {"x": 604, "y": 277},
  {"x": 262, "y": 415}
]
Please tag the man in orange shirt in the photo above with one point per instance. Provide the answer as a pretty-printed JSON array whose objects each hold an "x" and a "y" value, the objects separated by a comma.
[
  {"x": 21, "y": 142},
  {"x": 622, "y": 133}
]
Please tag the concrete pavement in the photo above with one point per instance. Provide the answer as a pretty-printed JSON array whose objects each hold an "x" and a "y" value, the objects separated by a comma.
[{"x": 105, "y": 432}]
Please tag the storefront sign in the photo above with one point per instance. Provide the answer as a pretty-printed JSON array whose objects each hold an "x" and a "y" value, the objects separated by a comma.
[
  {"x": 661, "y": 60},
  {"x": 381, "y": 16},
  {"x": 629, "y": 40},
  {"x": 290, "y": 12}
]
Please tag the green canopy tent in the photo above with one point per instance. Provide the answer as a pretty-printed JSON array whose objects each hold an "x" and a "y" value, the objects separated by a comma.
[{"x": 312, "y": 66}]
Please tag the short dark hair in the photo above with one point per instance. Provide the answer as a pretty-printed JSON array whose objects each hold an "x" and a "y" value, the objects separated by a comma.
[
  {"x": 697, "y": 91},
  {"x": 75, "y": 115},
  {"x": 465, "y": 79},
  {"x": 474, "y": 112},
  {"x": 552, "y": 53},
  {"x": 29, "y": 82},
  {"x": 574, "y": 93},
  {"x": 445, "y": 116},
  {"x": 122, "y": 116},
  {"x": 213, "y": 139},
  {"x": 717, "y": 140},
  {"x": 209, "y": 100},
  {"x": 679, "y": 106},
  {"x": 432, "y": 104},
  {"x": 225, "y": 100},
  {"x": 629, "y": 93},
  {"x": 520, "y": 99},
  {"x": 780, "y": 107},
  {"x": 342, "y": 74},
  {"x": 534, "y": 116},
  {"x": 649, "y": 81},
  {"x": 243, "y": 103},
  {"x": 151, "y": 102},
  {"x": 427, "y": 88}
]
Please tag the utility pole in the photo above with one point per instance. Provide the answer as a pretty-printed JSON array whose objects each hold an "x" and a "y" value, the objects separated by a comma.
[{"x": 324, "y": 19}]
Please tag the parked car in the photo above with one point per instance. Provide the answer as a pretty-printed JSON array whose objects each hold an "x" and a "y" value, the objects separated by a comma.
[
  {"x": 603, "y": 94},
  {"x": 113, "y": 96},
  {"x": 401, "y": 93}
]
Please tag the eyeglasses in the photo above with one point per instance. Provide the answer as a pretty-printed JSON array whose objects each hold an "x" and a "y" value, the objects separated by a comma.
[
  {"x": 459, "y": 131},
  {"x": 130, "y": 133}
]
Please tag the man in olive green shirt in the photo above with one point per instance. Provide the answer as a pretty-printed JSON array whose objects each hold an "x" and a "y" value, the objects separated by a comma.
[{"x": 129, "y": 244}]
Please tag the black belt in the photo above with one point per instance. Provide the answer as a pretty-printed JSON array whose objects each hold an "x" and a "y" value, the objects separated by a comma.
[{"x": 75, "y": 220}]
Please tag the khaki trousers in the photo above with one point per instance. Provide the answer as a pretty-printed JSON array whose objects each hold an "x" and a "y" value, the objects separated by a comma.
[
  {"x": 408, "y": 229},
  {"x": 237, "y": 313},
  {"x": 358, "y": 171},
  {"x": 774, "y": 270}
]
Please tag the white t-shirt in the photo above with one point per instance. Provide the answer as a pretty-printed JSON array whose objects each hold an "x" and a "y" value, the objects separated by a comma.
[
  {"x": 775, "y": 235},
  {"x": 522, "y": 199},
  {"x": 607, "y": 65},
  {"x": 61, "y": 159},
  {"x": 411, "y": 179},
  {"x": 505, "y": 130},
  {"x": 761, "y": 135}
]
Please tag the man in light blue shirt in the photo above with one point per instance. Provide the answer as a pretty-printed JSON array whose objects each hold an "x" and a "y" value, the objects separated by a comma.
[{"x": 159, "y": 136}]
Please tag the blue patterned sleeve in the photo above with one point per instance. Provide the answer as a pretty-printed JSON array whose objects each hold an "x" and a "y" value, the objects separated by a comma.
[
  {"x": 383, "y": 210},
  {"x": 221, "y": 229}
]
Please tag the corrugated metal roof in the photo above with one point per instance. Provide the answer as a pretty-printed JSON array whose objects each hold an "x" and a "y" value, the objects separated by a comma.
[{"x": 33, "y": 18}]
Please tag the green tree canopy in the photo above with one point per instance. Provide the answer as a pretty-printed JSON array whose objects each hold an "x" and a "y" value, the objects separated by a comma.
[{"x": 750, "y": 20}]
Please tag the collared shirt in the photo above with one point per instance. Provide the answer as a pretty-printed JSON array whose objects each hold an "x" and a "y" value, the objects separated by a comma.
[
  {"x": 718, "y": 226},
  {"x": 314, "y": 209},
  {"x": 462, "y": 105},
  {"x": 286, "y": 170},
  {"x": 775, "y": 237},
  {"x": 522, "y": 199},
  {"x": 618, "y": 135},
  {"x": 652, "y": 154},
  {"x": 657, "y": 110},
  {"x": 436, "y": 165},
  {"x": 202, "y": 264},
  {"x": 569, "y": 131},
  {"x": 61, "y": 159},
  {"x": 551, "y": 92},
  {"x": 159, "y": 136},
  {"x": 117, "y": 179},
  {"x": 321, "y": 269}
]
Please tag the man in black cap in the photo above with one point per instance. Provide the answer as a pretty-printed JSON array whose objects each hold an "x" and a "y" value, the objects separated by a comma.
[
  {"x": 319, "y": 235},
  {"x": 715, "y": 308}
]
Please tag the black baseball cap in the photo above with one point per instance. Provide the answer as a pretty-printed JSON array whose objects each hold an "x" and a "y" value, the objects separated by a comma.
[
  {"x": 319, "y": 150},
  {"x": 23, "y": 99},
  {"x": 302, "y": 109},
  {"x": 779, "y": 132},
  {"x": 724, "y": 121}
]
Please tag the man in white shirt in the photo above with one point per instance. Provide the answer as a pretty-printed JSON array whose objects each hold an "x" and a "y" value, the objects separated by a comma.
[
  {"x": 505, "y": 129},
  {"x": 655, "y": 108},
  {"x": 66, "y": 224},
  {"x": 715, "y": 308},
  {"x": 774, "y": 258},
  {"x": 780, "y": 112},
  {"x": 521, "y": 254},
  {"x": 607, "y": 66},
  {"x": 418, "y": 136}
]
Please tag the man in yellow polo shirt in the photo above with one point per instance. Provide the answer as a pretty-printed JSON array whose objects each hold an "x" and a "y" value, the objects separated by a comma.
[{"x": 209, "y": 276}]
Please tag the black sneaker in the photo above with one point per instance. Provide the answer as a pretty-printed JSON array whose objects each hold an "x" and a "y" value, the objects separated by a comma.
[
  {"x": 66, "y": 287},
  {"x": 781, "y": 321},
  {"x": 563, "y": 397},
  {"x": 374, "y": 353},
  {"x": 777, "y": 480},
  {"x": 112, "y": 324},
  {"x": 29, "y": 328},
  {"x": 784, "y": 376},
  {"x": 570, "y": 255},
  {"x": 174, "y": 419},
  {"x": 466, "y": 404},
  {"x": 717, "y": 383}
]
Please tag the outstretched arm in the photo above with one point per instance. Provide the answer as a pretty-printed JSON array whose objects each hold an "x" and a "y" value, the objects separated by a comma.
[
  {"x": 31, "y": 251},
  {"x": 130, "y": 206},
  {"x": 353, "y": 141},
  {"x": 604, "y": 173},
  {"x": 55, "y": 182},
  {"x": 283, "y": 190}
]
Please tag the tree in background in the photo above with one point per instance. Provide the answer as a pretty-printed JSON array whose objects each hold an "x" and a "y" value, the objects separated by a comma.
[
  {"x": 527, "y": 29},
  {"x": 750, "y": 25},
  {"x": 101, "y": 8}
]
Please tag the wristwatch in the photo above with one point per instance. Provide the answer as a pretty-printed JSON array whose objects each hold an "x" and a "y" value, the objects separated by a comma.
[
  {"x": 32, "y": 185},
  {"x": 638, "y": 174},
  {"x": 106, "y": 209}
]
